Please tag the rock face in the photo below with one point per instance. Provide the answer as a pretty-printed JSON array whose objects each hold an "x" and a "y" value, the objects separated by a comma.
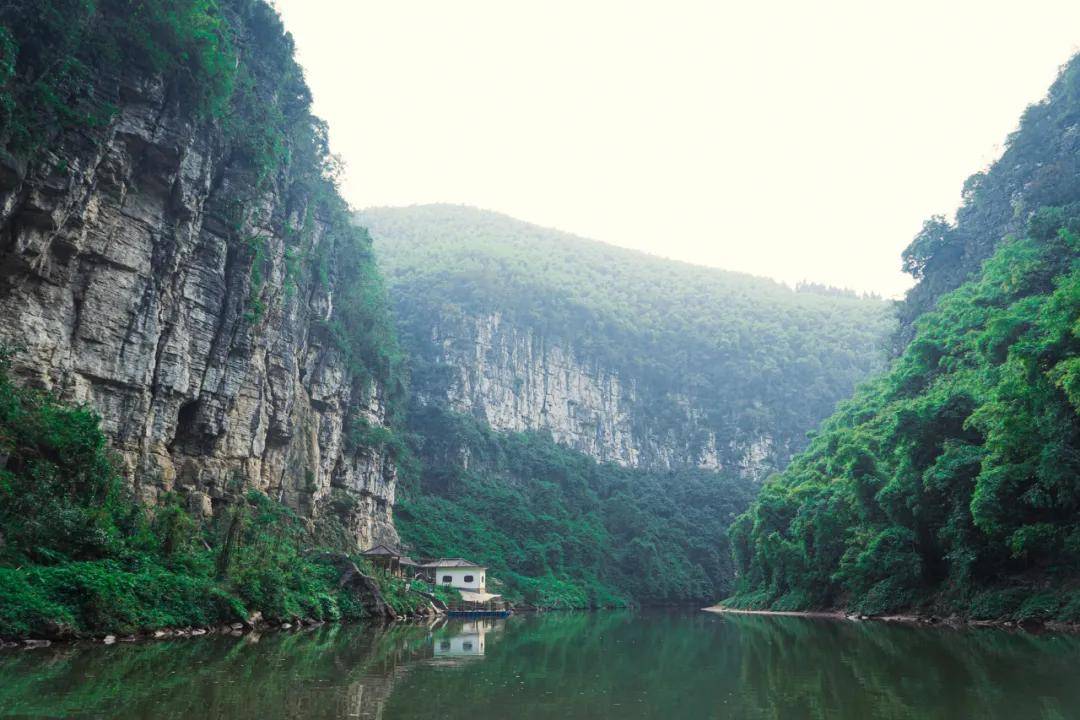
[
  {"x": 129, "y": 281},
  {"x": 362, "y": 587},
  {"x": 515, "y": 379}
]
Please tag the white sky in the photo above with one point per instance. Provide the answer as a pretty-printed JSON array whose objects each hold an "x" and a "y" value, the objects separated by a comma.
[{"x": 796, "y": 140}]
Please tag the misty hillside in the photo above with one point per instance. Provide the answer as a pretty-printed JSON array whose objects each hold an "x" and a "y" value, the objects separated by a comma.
[
  {"x": 587, "y": 420},
  {"x": 753, "y": 357}
]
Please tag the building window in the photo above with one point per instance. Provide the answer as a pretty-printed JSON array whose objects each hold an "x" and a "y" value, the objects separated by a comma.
[
  {"x": 444, "y": 645},
  {"x": 466, "y": 645},
  {"x": 468, "y": 578},
  {"x": 447, "y": 579}
]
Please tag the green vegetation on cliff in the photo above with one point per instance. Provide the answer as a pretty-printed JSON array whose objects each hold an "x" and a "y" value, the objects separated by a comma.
[
  {"x": 559, "y": 529},
  {"x": 228, "y": 67},
  {"x": 951, "y": 482},
  {"x": 57, "y": 58},
  {"x": 753, "y": 357},
  {"x": 757, "y": 357},
  {"x": 78, "y": 555},
  {"x": 1040, "y": 167}
]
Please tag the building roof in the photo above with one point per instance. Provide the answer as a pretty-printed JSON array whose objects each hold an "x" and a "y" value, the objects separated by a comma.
[
  {"x": 477, "y": 597},
  {"x": 452, "y": 562},
  {"x": 406, "y": 560},
  {"x": 380, "y": 550}
]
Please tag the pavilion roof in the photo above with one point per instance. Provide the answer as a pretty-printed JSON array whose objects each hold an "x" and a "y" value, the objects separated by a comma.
[
  {"x": 381, "y": 550},
  {"x": 452, "y": 562}
]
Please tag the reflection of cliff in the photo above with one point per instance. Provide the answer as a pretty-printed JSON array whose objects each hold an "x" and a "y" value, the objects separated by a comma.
[{"x": 677, "y": 665}]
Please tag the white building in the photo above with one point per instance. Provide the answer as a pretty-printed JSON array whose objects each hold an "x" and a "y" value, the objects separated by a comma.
[
  {"x": 457, "y": 573},
  {"x": 469, "y": 580}
]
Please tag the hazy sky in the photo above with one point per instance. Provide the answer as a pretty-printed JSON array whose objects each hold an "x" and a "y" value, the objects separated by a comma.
[{"x": 794, "y": 139}]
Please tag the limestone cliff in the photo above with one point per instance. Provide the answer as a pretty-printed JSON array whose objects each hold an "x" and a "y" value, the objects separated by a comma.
[
  {"x": 146, "y": 270},
  {"x": 516, "y": 379}
]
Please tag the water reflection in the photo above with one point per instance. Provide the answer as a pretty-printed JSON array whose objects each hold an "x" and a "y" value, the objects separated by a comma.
[
  {"x": 573, "y": 665},
  {"x": 464, "y": 638}
]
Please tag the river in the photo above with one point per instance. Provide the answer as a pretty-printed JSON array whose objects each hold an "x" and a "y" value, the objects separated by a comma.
[{"x": 601, "y": 665}]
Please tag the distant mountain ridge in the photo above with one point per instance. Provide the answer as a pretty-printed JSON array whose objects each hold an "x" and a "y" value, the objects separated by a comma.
[{"x": 630, "y": 358}]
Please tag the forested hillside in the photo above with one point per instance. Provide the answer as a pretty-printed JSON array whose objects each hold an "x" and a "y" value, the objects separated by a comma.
[
  {"x": 588, "y": 420},
  {"x": 1039, "y": 168},
  {"x": 720, "y": 365},
  {"x": 950, "y": 483},
  {"x": 559, "y": 529}
]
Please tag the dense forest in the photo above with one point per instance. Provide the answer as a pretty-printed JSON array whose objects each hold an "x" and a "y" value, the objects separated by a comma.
[
  {"x": 949, "y": 484},
  {"x": 757, "y": 357},
  {"x": 559, "y": 529},
  {"x": 1038, "y": 168}
]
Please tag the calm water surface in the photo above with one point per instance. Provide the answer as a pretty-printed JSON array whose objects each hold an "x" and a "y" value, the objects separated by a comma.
[{"x": 602, "y": 665}]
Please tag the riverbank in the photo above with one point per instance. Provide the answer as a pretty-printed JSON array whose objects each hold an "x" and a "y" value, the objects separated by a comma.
[
  {"x": 254, "y": 627},
  {"x": 835, "y": 615},
  {"x": 908, "y": 619}
]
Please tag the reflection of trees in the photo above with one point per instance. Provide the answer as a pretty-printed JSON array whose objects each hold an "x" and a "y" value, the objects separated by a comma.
[
  {"x": 620, "y": 665},
  {"x": 581, "y": 665},
  {"x": 800, "y": 668},
  {"x": 330, "y": 672},
  {"x": 566, "y": 665}
]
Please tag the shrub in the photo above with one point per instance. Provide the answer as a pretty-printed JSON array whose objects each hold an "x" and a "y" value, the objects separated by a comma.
[
  {"x": 996, "y": 604},
  {"x": 1039, "y": 606}
]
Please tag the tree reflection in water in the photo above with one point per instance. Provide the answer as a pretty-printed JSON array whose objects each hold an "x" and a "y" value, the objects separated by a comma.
[{"x": 649, "y": 664}]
